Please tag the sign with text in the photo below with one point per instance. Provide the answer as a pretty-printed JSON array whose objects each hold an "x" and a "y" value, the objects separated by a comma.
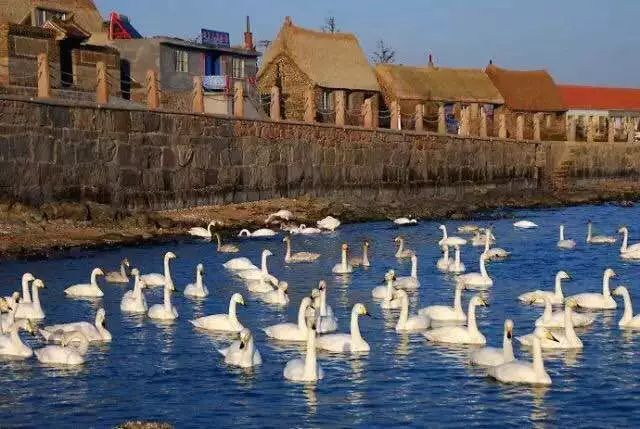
[
  {"x": 214, "y": 82},
  {"x": 215, "y": 38}
]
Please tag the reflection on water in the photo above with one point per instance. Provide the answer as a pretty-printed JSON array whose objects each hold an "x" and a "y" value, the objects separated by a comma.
[{"x": 166, "y": 371}]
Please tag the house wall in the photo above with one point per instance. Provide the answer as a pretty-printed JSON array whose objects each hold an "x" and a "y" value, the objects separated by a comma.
[
  {"x": 84, "y": 59},
  {"x": 557, "y": 130},
  {"x": 292, "y": 82}
]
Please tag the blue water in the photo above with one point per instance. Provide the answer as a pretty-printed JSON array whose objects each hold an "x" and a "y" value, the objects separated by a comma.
[{"x": 173, "y": 373}]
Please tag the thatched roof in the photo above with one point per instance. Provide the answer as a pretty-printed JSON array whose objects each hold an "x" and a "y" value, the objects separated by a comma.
[
  {"x": 84, "y": 12},
  {"x": 330, "y": 60},
  {"x": 527, "y": 90},
  {"x": 438, "y": 84}
]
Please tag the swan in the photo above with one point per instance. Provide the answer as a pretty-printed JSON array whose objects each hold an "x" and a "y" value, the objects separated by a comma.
[
  {"x": 26, "y": 295},
  {"x": 598, "y": 301},
  {"x": 31, "y": 310},
  {"x": 306, "y": 230},
  {"x": 258, "y": 233},
  {"x": 239, "y": 264},
  {"x": 225, "y": 248},
  {"x": 556, "y": 297},
  {"x": 628, "y": 252},
  {"x": 481, "y": 236},
  {"x": 10, "y": 342},
  {"x": 409, "y": 282},
  {"x": 556, "y": 319},
  {"x": 259, "y": 274},
  {"x": 71, "y": 352},
  {"x": 518, "y": 371},
  {"x": 566, "y": 340},
  {"x": 390, "y": 302},
  {"x": 495, "y": 253},
  {"x": 305, "y": 370},
  {"x": 90, "y": 290},
  {"x": 346, "y": 343},
  {"x": 457, "y": 267},
  {"x": 157, "y": 279},
  {"x": 278, "y": 296},
  {"x": 133, "y": 301},
  {"x": 442, "y": 314},
  {"x": 467, "y": 229},
  {"x": 118, "y": 276},
  {"x": 292, "y": 331},
  {"x": 329, "y": 223},
  {"x": 628, "y": 321},
  {"x": 405, "y": 221},
  {"x": 164, "y": 311},
  {"x": 402, "y": 253},
  {"x": 260, "y": 286},
  {"x": 493, "y": 356},
  {"x": 461, "y": 334},
  {"x": 279, "y": 215},
  {"x": 343, "y": 267},
  {"x": 450, "y": 241},
  {"x": 298, "y": 256},
  {"x": 408, "y": 323},
  {"x": 222, "y": 322},
  {"x": 242, "y": 352},
  {"x": 95, "y": 332},
  {"x": 362, "y": 261},
  {"x": 382, "y": 291},
  {"x": 8, "y": 305},
  {"x": 444, "y": 262},
  {"x": 197, "y": 289},
  {"x": 565, "y": 243},
  {"x": 598, "y": 239},
  {"x": 201, "y": 232},
  {"x": 480, "y": 279},
  {"x": 325, "y": 319},
  {"x": 525, "y": 224}
]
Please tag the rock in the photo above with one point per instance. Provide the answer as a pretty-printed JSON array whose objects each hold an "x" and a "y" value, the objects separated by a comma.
[
  {"x": 102, "y": 213},
  {"x": 136, "y": 424},
  {"x": 68, "y": 211}
]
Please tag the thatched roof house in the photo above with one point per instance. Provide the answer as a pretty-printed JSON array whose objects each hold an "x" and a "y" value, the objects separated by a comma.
[{"x": 36, "y": 12}]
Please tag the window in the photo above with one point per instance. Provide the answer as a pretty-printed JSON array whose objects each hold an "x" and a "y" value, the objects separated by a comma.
[
  {"x": 43, "y": 15},
  {"x": 327, "y": 101},
  {"x": 182, "y": 61},
  {"x": 238, "y": 68}
]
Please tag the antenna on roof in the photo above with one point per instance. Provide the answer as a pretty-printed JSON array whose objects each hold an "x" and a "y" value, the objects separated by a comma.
[
  {"x": 287, "y": 20},
  {"x": 490, "y": 62},
  {"x": 430, "y": 63}
]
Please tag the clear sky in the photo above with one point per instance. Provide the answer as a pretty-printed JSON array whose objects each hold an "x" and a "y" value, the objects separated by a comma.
[{"x": 578, "y": 41}]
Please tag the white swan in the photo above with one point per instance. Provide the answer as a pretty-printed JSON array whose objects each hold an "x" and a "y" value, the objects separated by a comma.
[
  {"x": 306, "y": 230},
  {"x": 157, "y": 279},
  {"x": 457, "y": 267},
  {"x": 298, "y": 256},
  {"x": 628, "y": 321},
  {"x": 258, "y": 233},
  {"x": 476, "y": 280},
  {"x": 10, "y": 342},
  {"x": 118, "y": 276},
  {"x": 26, "y": 295},
  {"x": 525, "y": 224},
  {"x": 239, "y": 264},
  {"x": 409, "y": 282},
  {"x": 343, "y": 267},
  {"x": 278, "y": 296},
  {"x": 222, "y": 322},
  {"x": 494, "y": 253},
  {"x": 346, "y": 343},
  {"x": 401, "y": 252},
  {"x": 443, "y": 314},
  {"x": 461, "y": 334},
  {"x": 445, "y": 261},
  {"x": 165, "y": 311},
  {"x": 598, "y": 301},
  {"x": 564, "y": 243},
  {"x": 450, "y": 241},
  {"x": 556, "y": 297},
  {"x": 95, "y": 332},
  {"x": 32, "y": 310},
  {"x": 405, "y": 221},
  {"x": 382, "y": 291},
  {"x": 292, "y": 331},
  {"x": 133, "y": 301},
  {"x": 567, "y": 340},
  {"x": 598, "y": 239},
  {"x": 481, "y": 236},
  {"x": 362, "y": 261},
  {"x": 279, "y": 215},
  {"x": 325, "y": 319},
  {"x": 9, "y": 305},
  {"x": 87, "y": 290},
  {"x": 201, "y": 232},
  {"x": 197, "y": 289},
  {"x": 329, "y": 223},
  {"x": 467, "y": 229},
  {"x": 626, "y": 251},
  {"x": 518, "y": 371},
  {"x": 408, "y": 323},
  {"x": 242, "y": 352},
  {"x": 556, "y": 319},
  {"x": 259, "y": 274},
  {"x": 493, "y": 356},
  {"x": 305, "y": 370},
  {"x": 390, "y": 302},
  {"x": 225, "y": 248},
  {"x": 71, "y": 352},
  {"x": 260, "y": 286}
]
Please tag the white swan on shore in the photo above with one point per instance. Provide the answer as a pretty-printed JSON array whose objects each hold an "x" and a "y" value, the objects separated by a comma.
[
  {"x": 325, "y": 319},
  {"x": 31, "y": 310},
  {"x": 445, "y": 261},
  {"x": 227, "y": 322},
  {"x": 201, "y": 232},
  {"x": 225, "y": 248},
  {"x": 476, "y": 280},
  {"x": 626, "y": 251},
  {"x": 95, "y": 332},
  {"x": 197, "y": 289},
  {"x": 329, "y": 223},
  {"x": 242, "y": 352},
  {"x": 409, "y": 282},
  {"x": 518, "y": 371},
  {"x": 457, "y": 267},
  {"x": 280, "y": 215},
  {"x": 343, "y": 267},
  {"x": 298, "y": 256},
  {"x": 346, "y": 343},
  {"x": 118, "y": 276},
  {"x": 524, "y": 224},
  {"x": 258, "y": 233},
  {"x": 556, "y": 319},
  {"x": 556, "y": 297},
  {"x": 292, "y": 331},
  {"x": 567, "y": 340},
  {"x": 305, "y": 370},
  {"x": 493, "y": 356},
  {"x": 87, "y": 290},
  {"x": 277, "y": 296},
  {"x": 361, "y": 261},
  {"x": 598, "y": 239},
  {"x": 443, "y": 314},
  {"x": 598, "y": 301},
  {"x": 408, "y": 323},
  {"x": 564, "y": 243},
  {"x": 133, "y": 301},
  {"x": 259, "y": 274},
  {"x": 461, "y": 334},
  {"x": 157, "y": 279},
  {"x": 450, "y": 241},
  {"x": 165, "y": 311},
  {"x": 628, "y": 320},
  {"x": 71, "y": 352}
]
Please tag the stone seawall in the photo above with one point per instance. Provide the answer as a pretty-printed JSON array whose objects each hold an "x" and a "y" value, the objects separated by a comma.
[{"x": 129, "y": 158}]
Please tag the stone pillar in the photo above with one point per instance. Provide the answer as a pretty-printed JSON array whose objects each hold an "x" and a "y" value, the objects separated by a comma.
[
  {"x": 238, "y": 99},
  {"x": 375, "y": 111},
  {"x": 463, "y": 127},
  {"x": 44, "y": 81},
  {"x": 102, "y": 87},
  {"x": 630, "y": 130},
  {"x": 571, "y": 128},
  {"x": 520, "y": 127},
  {"x": 536, "y": 126},
  {"x": 394, "y": 109},
  {"x": 309, "y": 106},
  {"x": 502, "y": 126},
  {"x": 483, "y": 122},
  {"x": 590, "y": 128},
  {"x": 547, "y": 119},
  {"x": 419, "y": 117},
  {"x": 474, "y": 119},
  {"x": 341, "y": 105},
  {"x": 367, "y": 113},
  {"x": 274, "y": 108},
  {"x": 442, "y": 120},
  {"x": 197, "y": 95},
  {"x": 153, "y": 95},
  {"x": 611, "y": 130}
]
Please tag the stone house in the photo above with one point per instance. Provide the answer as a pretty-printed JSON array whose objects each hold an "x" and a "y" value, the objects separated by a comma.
[
  {"x": 530, "y": 96},
  {"x": 299, "y": 60}
]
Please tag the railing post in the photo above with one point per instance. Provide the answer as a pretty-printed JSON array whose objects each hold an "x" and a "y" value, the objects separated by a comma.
[
  {"x": 340, "y": 105},
  {"x": 310, "y": 105},
  {"x": 274, "y": 108},
  {"x": 442, "y": 121},
  {"x": 419, "y": 117},
  {"x": 463, "y": 128},
  {"x": 153, "y": 95},
  {"x": 238, "y": 99},
  {"x": 367, "y": 113},
  {"x": 44, "y": 81},
  {"x": 520, "y": 127},
  {"x": 197, "y": 95},
  {"x": 502, "y": 126},
  {"x": 611, "y": 130},
  {"x": 630, "y": 130},
  {"x": 483, "y": 122},
  {"x": 375, "y": 111},
  {"x": 536, "y": 126},
  {"x": 102, "y": 87},
  {"x": 571, "y": 128},
  {"x": 590, "y": 129},
  {"x": 474, "y": 119},
  {"x": 394, "y": 111}
]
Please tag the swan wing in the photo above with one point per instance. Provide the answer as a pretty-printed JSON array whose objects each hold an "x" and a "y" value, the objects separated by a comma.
[
  {"x": 153, "y": 279},
  {"x": 515, "y": 372},
  {"x": 337, "y": 343},
  {"x": 215, "y": 322},
  {"x": 285, "y": 332},
  {"x": 487, "y": 356}
]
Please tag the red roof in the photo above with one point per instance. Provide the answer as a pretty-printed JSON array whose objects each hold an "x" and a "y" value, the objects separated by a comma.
[{"x": 600, "y": 97}]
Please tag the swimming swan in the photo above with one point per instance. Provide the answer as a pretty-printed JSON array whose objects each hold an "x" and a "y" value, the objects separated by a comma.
[
  {"x": 71, "y": 352},
  {"x": 598, "y": 301},
  {"x": 478, "y": 280},
  {"x": 461, "y": 334},
  {"x": 346, "y": 343},
  {"x": 259, "y": 274},
  {"x": 278, "y": 296},
  {"x": 258, "y": 233},
  {"x": 493, "y": 356},
  {"x": 164, "y": 311},
  {"x": 494, "y": 253},
  {"x": 225, "y": 248},
  {"x": 525, "y": 224},
  {"x": 518, "y": 371},
  {"x": 401, "y": 252},
  {"x": 457, "y": 267},
  {"x": 445, "y": 261},
  {"x": 556, "y": 319},
  {"x": 222, "y": 322},
  {"x": 201, "y": 232},
  {"x": 361, "y": 261},
  {"x": 325, "y": 319},
  {"x": 628, "y": 321},
  {"x": 598, "y": 239},
  {"x": 31, "y": 310},
  {"x": 405, "y": 221},
  {"x": 90, "y": 290},
  {"x": 343, "y": 267},
  {"x": 10, "y": 342},
  {"x": 239, "y": 264},
  {"x": 628, "y": 252},
  {"x": 292, "y": 331},
  {"x": 386, "y": 289},
  {"x": 450, "y": 241},
  {"x": 242, "y": 352},
  {"x": 390, "y": 302},
  {"x": 442, "y": 314},
  {"x": 94, "y": 332},
  {"x": 118, "y": 276},
  {"x": 305, "y": 370},
  {"x": 133, "y": 301},
  {"x": 409, "y": 282},
  {"x": 481, "y": 236},
  {"x": 306, "y": 230},
  {"x": 26, "y": 295},
  {"x": 556, "y": 297},
  {"x": 197, "y": 289},
  {"x": 467, "y": 229},
  {"x": 157, "y": 279},
  {"x": 567, "y": 340},
  {"x": 329, "y": 223},
  {"x": 565, "y": 243},
  {"x": 408, "y": 323},
  {"x": 298, "y": 256}
]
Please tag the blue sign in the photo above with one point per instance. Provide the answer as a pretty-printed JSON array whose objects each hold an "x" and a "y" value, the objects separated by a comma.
[{"x": 215, "y": 38}]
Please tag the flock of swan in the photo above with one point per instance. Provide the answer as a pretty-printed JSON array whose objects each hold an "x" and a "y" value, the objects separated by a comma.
[{"x": 316, "y": 325}]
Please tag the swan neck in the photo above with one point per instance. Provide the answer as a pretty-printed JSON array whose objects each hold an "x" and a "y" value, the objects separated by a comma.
[
  {"x": 26, "y": 295},
  {"x": 167, "y": 273},
  {"x": 123, "y": 272},
  {"x": 471, "y": 323},
  {"x": 389, "y": 290},
  {"x": 343, "y": 260},
  {"x": 628, "y": 308},
  {"x": 446, "y": 253},
  {"x": 302, "y": 324},
  {"x": 457, "y": 260},
  {"x": 288, "y": 253},
  {"x": 486, "y": 241},
  {"x": 219, "y": 241},
  {"x": 404, "y": 313},
  {"x": 558, "y": 289},
  {"x": 263, "y": 264},
  {"x": 414, "y": 268},
  {"x": 35, "y": 295},
  {"x": 569, "y": 331},
  {"x": 605, "y": 286},
  {"x": 355, "y": 327},
  {"x": 548, "y": 310},
  {"x": 589, "y": 232},
  {"x": 625, "y": 238},
  {"x": 167, "y": 297},
  {"x": 199, "y": 281},
  {"x": 310, "y": 363},
  {"x": 538, "y": 363},
  {"x": 365, "y": 255},
  {"x": 323, "y": 302},
  {"x": 232, "y": 310},
  {"x": 444, "y": 233},
  {"x": 507, "y": 348},
  {"x": 561, "y": 232},
  {"x": 483, "y": 270},
  {"x": 457, "y": 300}
]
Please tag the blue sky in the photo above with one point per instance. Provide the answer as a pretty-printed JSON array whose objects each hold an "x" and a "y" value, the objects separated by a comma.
[{"x": 578, "y": 41}]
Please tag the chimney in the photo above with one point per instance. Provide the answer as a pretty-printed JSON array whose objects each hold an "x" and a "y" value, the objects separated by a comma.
[
  {"x": 288, "y": 21},
  {"x": 430, "y": 63},
  {"x": 248, "y": 37},
  {"x": 490, "y": 62}
]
